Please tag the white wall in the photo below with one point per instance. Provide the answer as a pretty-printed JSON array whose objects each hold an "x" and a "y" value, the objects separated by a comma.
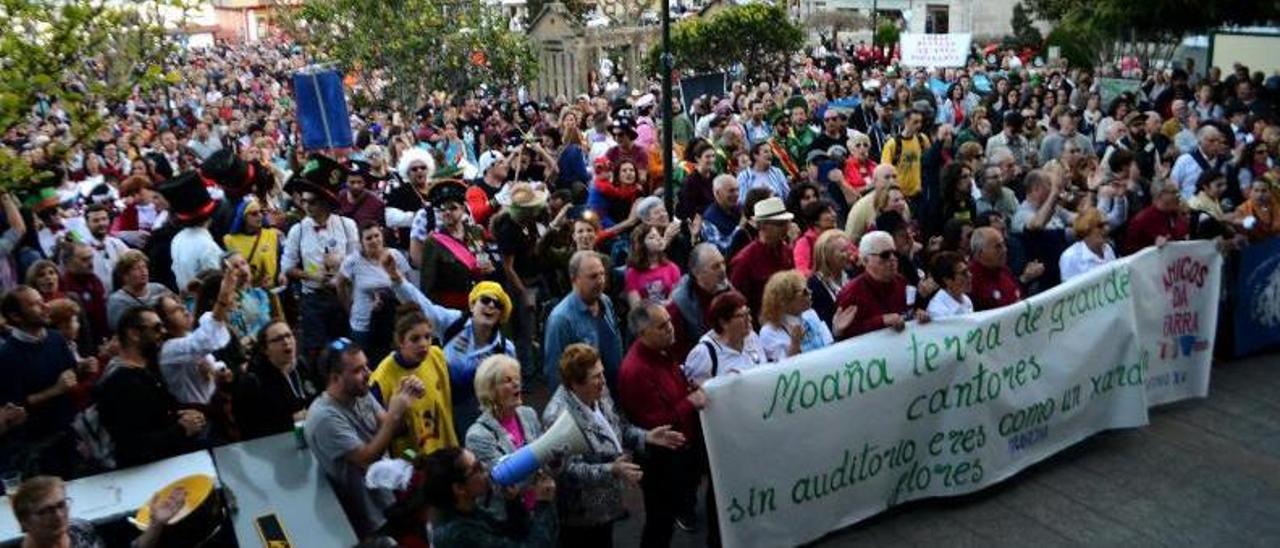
[{"x": 983, "y": 18}]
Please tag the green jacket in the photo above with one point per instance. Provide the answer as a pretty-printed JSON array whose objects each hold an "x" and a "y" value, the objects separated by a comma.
[
  {"x": 798, "y": 144},
  {"x": 682, "y": 129}
]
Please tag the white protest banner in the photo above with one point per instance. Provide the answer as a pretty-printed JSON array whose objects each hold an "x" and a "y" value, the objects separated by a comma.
[
  {"x": 1177, "y": 311},
  {"x": 834, "y": 436},
  {"x": 934, "y": 50}
]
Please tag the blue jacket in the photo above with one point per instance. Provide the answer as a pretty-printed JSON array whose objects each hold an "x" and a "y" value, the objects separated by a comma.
[
  {"x": 571, "y": 322},
  {"x": 718, "y": 225}
]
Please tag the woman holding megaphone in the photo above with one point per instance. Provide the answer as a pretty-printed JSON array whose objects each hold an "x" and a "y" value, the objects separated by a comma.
[
  {"x": 591, "y": 482},
  {"x": 505, "y": 423}
]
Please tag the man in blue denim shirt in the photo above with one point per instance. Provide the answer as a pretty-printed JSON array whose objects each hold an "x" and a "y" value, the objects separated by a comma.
[{"x": 585, "y": 315}]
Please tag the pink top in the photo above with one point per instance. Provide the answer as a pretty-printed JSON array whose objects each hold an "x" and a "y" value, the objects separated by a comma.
[
  {"x": 512, "y": 426},
  {"x": 654, "y": 284},
  {"x": 802, "y": 251}
]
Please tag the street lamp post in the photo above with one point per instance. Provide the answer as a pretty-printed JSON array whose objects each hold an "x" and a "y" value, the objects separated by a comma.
[
  {"x": 668, "y": 181},
  {"x": 875, "y": 9}
]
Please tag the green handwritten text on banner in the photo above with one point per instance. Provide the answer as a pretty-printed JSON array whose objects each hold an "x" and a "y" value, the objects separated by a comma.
[{"x": 837, "y": 435}]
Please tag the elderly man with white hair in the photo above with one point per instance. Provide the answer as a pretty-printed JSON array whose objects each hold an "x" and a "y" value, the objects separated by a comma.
[
  {"x": 879, "y": 294},
  {"x": 992, "y": 283},
  {"x": 1207, "y": 156},
  {"x": 723, "y": 215},
  {"x": 707, "y": 276}
]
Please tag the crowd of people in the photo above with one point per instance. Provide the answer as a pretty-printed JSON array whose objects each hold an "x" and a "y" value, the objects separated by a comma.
[{"x": 192, "y": 276}]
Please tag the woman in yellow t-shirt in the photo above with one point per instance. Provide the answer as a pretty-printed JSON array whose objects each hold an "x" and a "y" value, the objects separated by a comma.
[
  {"x": 258, "y": 244},
  {"x": 429, "y": 420}
]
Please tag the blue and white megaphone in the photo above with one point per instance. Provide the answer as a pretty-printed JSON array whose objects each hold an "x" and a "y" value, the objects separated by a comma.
[{"x": 563, "y": 438}]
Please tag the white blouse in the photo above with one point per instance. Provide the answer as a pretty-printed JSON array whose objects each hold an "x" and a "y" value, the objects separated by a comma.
[
  {"x": 776, "y": 340},
  {"x": 943, "y": 305},
  {"x": 1078, "y": 259},
  {"x": 698, "y": 366}
]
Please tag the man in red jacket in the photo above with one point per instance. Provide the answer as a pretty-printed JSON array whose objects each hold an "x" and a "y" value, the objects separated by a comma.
[
  {"x": 770, "y": 253},
  {"x": 84, "y": 287},
  {"x": 992, "y": 284},
  {"x": 653, "y": 392},
  {"x": 879, "y": 294},
  {"x": 1160, "y": 222}
]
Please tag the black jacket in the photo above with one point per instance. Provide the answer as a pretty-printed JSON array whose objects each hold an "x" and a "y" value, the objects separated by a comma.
[
  {"x": 265, "y": 400},
  {"x": 141, "y": 416}
]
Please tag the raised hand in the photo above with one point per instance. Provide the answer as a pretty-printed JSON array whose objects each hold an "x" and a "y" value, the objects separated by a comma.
[
  {"x": 664, "y": 436},
  {"x": 389, "y": 265},
  {"x": 164, "y": 508}
]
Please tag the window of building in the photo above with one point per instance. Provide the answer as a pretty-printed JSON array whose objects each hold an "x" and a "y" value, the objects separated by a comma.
[{"x": 937, "y": 19}]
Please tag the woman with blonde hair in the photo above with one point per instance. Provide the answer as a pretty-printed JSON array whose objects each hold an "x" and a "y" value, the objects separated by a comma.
[
  {"x": 790, "y": 325},
  {"x": 832, "y": 257},
  {"x": 892, "y": 199},
  {"x": 977, "y": 129},
  {"x": 1091, "y": 249},
  {"x": 972, "y": 155},
  {"x": 398, "y": 145},
  {"x": 43, "y": 276},
  {"x": 505, "y": 423}
]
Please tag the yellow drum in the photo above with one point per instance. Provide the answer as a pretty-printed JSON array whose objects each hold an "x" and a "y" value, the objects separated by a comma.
[{"x": 199, "y": 519}]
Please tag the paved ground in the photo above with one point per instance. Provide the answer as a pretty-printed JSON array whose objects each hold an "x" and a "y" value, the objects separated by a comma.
[{"x": 1203, "y": 473}]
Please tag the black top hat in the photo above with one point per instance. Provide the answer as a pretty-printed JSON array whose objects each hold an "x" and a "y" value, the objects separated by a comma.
[
  {"x": 295, "y": 184},
  {"x": 357, "y": 168},
  {"x": 159, "y": 165},
  {"x": 448, "y": 190},
  {"x": 237, "y": 177},
  {"x": 324, "y": 176},
  {"x": 189, "y": 200}
]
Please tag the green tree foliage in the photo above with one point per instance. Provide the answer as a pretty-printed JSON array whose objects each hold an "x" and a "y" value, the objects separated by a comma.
[
  {"x": 402, "y": 50},
  {"x": 1025, "y": 34},
  {"x": 86, "y": 57},
  {"x": 759, "y": 36},
  {"x": 1151, "y": 29},
  {"x": 1072, "y": 47},
  {"x": 887, "y": 33}
]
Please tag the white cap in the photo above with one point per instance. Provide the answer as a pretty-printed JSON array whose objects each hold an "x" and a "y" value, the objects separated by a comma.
[{"x": 489, "y": 158}]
